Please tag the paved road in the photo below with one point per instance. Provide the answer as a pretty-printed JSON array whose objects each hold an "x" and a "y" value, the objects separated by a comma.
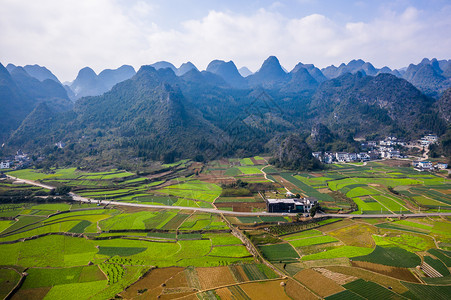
[{"x": 225, "y": 212}]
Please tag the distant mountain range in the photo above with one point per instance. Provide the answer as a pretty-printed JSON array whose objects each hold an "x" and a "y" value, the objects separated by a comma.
[{"x": 163, "y": 113}]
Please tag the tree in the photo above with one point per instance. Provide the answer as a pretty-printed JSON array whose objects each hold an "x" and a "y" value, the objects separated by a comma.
[
  {"x": 314, "y": 209},
  {"x": 63, "y": 190}
]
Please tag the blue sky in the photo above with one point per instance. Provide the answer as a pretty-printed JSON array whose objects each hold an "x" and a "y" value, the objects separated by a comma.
[{"x": 66, "y": 35}]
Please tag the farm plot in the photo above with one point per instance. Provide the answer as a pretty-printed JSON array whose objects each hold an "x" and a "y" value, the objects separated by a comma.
[
  {"x": 308, "y": 190},
  {"x": 391, "y": 256},
  {"x": 370, "y": 290},
  {"x": 302, "y": 234},
  {"x": 219, "y": 239},
  {"x": 317, "y": 240},
  {"x": 230, "y": 251},
  {"x": 395, "y": 272},
  {"x": 194, "y": 189},
  {"x": 445, "y": 258},
  {"x": 265, "y": 290},
  {"x": 437, "y": 265},
  {"x": 318, "y": 283},
  {"x": 345, "y": 251},
  {"x": 421, "y": 291},
  {"x": 8, "y": 280},
  {"x": 409, "y": 242},
  {"x": 279, "y": 252},
  {"x": 355, "y": 235},
  {"x": 214, "y": 277}
]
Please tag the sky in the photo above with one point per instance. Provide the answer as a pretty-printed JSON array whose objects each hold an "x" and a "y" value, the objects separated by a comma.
[{"x": 67, "y": 35}]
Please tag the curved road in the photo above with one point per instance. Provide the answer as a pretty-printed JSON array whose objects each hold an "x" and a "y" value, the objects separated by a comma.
[{"x": 225, "y": 212}]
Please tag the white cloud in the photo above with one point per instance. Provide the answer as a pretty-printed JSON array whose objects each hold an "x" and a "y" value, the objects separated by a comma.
[{"x": 68, "y": 35}]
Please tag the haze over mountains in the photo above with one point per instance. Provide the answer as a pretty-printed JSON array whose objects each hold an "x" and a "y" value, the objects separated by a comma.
[{"x": 164, "y": 112}]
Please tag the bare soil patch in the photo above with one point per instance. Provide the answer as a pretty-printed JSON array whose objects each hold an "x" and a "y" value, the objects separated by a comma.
[
  {"x": 370, "y": 276},
  {"x": 399, "y": 273},
  {"x": 152, "y": 281},
  {"x": 177, "y": 281},
  {"x": 224, "y": 294},
  {"x": 296, "y": 291},
  {"x": 337, "y": 277},
  {"x": 318, "y": 283},
  {"x": 31, "y": 294},
  {"x": 396, "y": 163},
  {"x": 214, "y": 277},
  {"x": 265, "y": 290}
]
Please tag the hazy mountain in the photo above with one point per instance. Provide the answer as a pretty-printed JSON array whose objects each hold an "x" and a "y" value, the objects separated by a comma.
[
  {"x": 39, "y": 90},
  {"x": 228, "y": 71},
  {"x": 110, "y": 77},
  {"x": 185, "y": 67},
  {"x": 429, "y": 77},
  {"x": 36, "y": 71},
  {"x": 20, "y": 93},
  {"x": 313, "y": 71},
  {"x": 301, "y": 80},
  {"x": 270, "y": 75},
  {"x": 15, "y": 105},
  {"x": 244, "y": 71},
  {"x": 164, "y": 64},
  {"x": 88, "y": 83}
]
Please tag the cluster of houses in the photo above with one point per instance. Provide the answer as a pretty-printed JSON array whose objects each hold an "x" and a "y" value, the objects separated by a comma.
[
  {"x": 331, "y": 157},
  {"x": 428, "y": 166},
  {"x": 18, "y": 161},
  {"x": 428, "y": 139},
  {"x": 385, "y": 149}
]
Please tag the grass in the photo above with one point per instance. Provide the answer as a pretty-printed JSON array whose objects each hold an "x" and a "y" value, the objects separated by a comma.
[
  {"x": 345, "y": 251},
  {"x": 246, "y": 162},
  {"x": 279, "y": 252},
  {"x": 391, "y": 256}
]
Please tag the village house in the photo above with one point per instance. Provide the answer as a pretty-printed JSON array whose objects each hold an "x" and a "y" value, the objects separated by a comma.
[
  {"x": 441, "y": 166},
  {"x": 5, "y": 165}
]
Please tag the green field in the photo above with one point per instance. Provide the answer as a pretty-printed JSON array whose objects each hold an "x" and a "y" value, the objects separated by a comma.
[
  {"x": 391, "y": 256},
  {"x": 369, "y": 290},
  {"x": 279, "y": 252},
  {"x": 345, "y": 251},
  {"x": 324, "y": 239}
]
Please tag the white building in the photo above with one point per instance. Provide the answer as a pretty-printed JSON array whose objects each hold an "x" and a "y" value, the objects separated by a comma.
[
  {"x": 426, "y": 165},
  {"x": 4, "y": 165}
]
